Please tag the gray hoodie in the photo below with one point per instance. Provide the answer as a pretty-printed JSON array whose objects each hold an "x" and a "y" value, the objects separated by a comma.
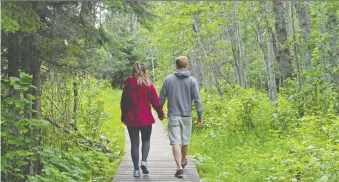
[{"x": 181, "y": 89}]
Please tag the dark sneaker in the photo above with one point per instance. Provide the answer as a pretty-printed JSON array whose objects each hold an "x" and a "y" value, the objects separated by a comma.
[
  {"x": 184, "y": 164},
  {"x": 144, "y": 167},
  {"x": 179, "y": 173}
]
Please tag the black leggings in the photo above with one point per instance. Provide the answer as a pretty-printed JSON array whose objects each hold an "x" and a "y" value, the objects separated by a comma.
[{"x": 135, "y": 140}]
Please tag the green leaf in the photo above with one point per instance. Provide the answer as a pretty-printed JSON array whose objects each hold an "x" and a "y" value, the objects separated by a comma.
[
  {"x": 16, "y": 142},
  {"x": 14, "y": 79}
]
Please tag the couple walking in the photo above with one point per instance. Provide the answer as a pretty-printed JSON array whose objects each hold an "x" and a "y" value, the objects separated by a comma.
[{"x": 180, "y": 89}]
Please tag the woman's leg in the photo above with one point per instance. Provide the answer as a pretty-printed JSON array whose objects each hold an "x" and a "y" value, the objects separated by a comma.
[
  {"x": 146, "y": 132},
  {"x": 134, "y": 137}
]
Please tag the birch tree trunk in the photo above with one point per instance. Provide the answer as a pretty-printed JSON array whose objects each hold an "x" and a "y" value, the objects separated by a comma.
[
  {"x": 194, "y": 67},
  {"x": 231, "y": 30},
  {"x": 202, "y": 73},
  {"x": 246, "y": 80},
  {"x": 333, "y": 30},
  {"x": 200, "y": 62},
  {"x": 303, "y": 9},
  {"x": 295, "y": 49},
  {"x": 268, "y": 55},
  {"x": 215, "y": 80},
  {"x": 285, "y": 66},
  {"x": 271, "y": 81}
]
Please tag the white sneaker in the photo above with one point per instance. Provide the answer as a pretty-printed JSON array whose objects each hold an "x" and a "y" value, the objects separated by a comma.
[{"x": 144, "y": 167}]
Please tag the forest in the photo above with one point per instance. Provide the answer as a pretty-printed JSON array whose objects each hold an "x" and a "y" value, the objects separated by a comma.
[{"x": 268, "y": 73}]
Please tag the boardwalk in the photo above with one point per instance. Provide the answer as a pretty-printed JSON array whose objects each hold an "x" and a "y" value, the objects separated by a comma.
[{"x": 161, "y": 163}]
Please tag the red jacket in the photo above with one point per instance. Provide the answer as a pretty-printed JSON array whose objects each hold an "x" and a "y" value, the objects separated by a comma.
[{"x": 136, "y": 103}]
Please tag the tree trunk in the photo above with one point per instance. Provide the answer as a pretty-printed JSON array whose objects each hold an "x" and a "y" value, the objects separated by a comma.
[
  {"x": 215, "y": 80},
  {"x": 235, "y": 52},
  {"x": 295, "y": 50},
  {"x": 13, "y": 71},
  {"x": 285, "y": 66},
  {"x": 246, "y": 79},
  {"x": 303, "y": 9},
  {"x": 271, "y": 83},
  {"x": 35, "y": 166},
  {"x": 268, "y": 55},
  {"x": 332, "y": 25},
  {"x": 194, "y": 66},
  {"x": 332, "y": 29},
  {"x": 201, "y": 62},
  {"x": 202, "y": 73},
  {"x": 234, "y": 46},
  {"x": 75, "y": 105}
]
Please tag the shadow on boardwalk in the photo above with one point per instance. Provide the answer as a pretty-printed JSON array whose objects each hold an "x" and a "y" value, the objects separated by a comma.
[{"x": 160, "y": 161}]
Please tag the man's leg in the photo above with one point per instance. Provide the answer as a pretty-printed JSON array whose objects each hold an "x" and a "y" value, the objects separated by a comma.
[
  {"x": 184, "y": 151},
  {"x": 186, "y": 136},
  {"x": 174, "y": 133},
  {"x": 177, "y": 155}
]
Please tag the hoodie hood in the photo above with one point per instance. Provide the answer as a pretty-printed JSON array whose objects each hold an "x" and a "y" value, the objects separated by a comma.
[
  {"x": 131, "y": 82},
  {"x": 182, "y": 73}
]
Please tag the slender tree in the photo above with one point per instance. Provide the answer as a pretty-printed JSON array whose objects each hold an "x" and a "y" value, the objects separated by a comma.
[{"x": 285, "y": 65}]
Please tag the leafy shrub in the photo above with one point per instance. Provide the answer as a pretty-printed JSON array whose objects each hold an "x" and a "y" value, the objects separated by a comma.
[{"x": 76, "y": 164}]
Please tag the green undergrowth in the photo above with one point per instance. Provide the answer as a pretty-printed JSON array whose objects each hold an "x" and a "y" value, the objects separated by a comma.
[
  {"x": 96, "y": 155},
  {"x": 245, "y": 138}
]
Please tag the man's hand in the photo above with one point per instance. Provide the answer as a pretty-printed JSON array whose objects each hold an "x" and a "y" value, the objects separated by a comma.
[
  {"x": 199, "y": 122},
  {"x": 161, "y": 118}
]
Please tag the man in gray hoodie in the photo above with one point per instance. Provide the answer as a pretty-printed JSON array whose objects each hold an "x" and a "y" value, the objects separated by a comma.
[{"x": 180, "y": 89}]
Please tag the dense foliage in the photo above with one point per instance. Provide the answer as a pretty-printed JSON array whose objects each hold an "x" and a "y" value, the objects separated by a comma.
[
  {"x": 245, "y": 138},
  {"x": 92, "y": 152},
  {"x": 59, "y": 120}
]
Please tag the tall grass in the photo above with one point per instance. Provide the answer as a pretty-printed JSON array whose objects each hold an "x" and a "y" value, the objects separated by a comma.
[{"x": 112, "y": 127}]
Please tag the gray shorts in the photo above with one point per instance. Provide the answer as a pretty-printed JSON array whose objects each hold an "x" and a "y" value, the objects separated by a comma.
[{"x": 179, "y": 129}]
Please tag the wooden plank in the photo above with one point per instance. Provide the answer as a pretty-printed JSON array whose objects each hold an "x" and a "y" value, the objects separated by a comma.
[{"x": 160, "y": 161}]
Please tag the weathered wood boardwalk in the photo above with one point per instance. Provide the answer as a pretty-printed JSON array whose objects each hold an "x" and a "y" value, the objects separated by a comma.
[{"x": 161, "y": 164}]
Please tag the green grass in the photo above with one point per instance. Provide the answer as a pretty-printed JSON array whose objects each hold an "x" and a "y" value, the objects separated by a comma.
[{"x": 112, "y": 127}]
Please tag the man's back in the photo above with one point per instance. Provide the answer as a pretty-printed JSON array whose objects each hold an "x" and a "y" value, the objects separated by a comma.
[{"x": 180, "y": 89}]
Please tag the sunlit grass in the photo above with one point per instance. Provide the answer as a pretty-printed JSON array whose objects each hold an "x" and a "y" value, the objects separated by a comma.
[{"x": 112, "y": 127}]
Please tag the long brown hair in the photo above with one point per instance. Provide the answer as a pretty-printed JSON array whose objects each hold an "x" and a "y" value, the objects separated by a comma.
[{"x": 139, "y": 72}]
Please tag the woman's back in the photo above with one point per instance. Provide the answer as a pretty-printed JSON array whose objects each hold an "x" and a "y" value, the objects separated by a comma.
[{"x": 136, "y": 103}]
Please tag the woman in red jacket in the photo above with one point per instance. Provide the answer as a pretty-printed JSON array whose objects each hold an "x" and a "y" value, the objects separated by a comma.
[{"x": 137, "y": 97}]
